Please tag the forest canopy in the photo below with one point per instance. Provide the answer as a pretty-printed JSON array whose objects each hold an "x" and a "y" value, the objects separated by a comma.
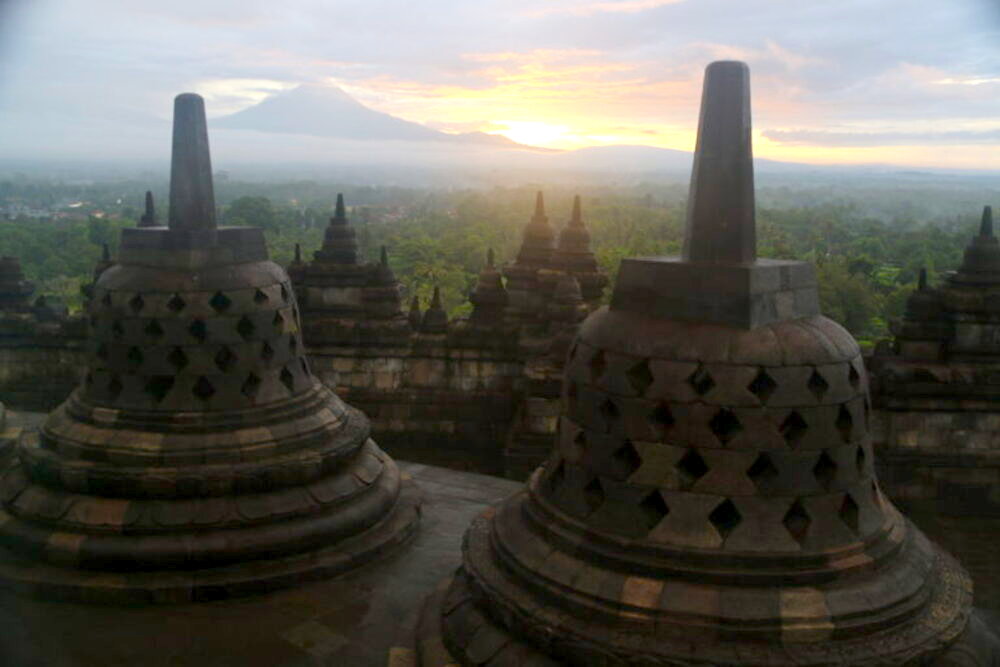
[{"x": 868, "y": 242}]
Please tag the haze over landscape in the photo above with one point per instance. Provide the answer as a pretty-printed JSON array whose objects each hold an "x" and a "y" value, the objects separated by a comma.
[{"x": 906, "y": 83}]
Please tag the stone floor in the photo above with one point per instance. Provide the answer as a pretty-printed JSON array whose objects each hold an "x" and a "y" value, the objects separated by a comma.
[{"x": 365, "y": 618}]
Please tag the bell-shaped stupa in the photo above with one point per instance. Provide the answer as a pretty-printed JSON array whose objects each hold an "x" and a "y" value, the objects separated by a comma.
[
  {"x": 712, "y": 498},
  {"x": 200, "y": 458}
]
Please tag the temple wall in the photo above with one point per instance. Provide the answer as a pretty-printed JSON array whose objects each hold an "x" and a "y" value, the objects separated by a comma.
[
  {"x": 40, "y": 364},
  {"x": 949, "y": 457},
  {"x": 432, "y": 403}
]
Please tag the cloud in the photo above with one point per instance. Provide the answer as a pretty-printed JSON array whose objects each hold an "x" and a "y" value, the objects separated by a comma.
[
  {"x": 626, "y": 70},
  {"x": 591, "y": 8}
]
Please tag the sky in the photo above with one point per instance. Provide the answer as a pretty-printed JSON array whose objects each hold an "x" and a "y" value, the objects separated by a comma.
[{"x": 904, "y": 82}]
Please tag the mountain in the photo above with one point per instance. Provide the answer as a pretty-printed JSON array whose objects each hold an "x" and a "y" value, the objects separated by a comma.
[{"x": 327, "y": 111}]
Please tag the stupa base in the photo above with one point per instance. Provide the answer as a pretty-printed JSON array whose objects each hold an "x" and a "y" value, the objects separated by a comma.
[
  {"x": 465, "y": 623},
  {"x": 43, "y": 580}
]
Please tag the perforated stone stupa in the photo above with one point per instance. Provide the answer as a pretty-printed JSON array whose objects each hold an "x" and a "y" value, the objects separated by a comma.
[
  {"x": 712, "y": 498},
  {"x": 200, "y": 458}
]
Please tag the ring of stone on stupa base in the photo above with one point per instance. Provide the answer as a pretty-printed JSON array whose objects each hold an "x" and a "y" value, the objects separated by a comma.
[
  {"x": 461, "y": 623},
  {"x": 254, "y": 577}
]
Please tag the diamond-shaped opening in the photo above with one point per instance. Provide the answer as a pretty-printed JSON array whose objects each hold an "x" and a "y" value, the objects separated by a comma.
[
  {"x": 102, "y": 351},
  {"x": 593, "y": 495},
  {"x": 107, "y": 299},
  {"x": 609, "y": 410},
  {"x": 115, "y": 386},
  {"x": 136, "y": 303},
  {"x": 220, "y": 302},
  {"x": 279, "y": 321},
  {"x": 701, "y": 381},
  {"x": 557, "y": 477},
  {"x": 852, "y": 376},
  {"x": 117, "y": 329},
  {"x": 225, "y": 359},
  {"x": 825, "y": 470},
  {"x": 178, "y": 358},
  {"x": 176, "y": 303},
  {"x": 154, "y": 329},
  {"x": 304, "y": 365},
  {"x": 797, "y": 521},
  {"x": 692, "y": 467},
  {"x": 203, "y": 389},
  {"x": 293, "y": 344},
  {"x": 625, "y": 461},
  {"x": 859, "y": 458},
  {"x": 793, "y": 428},
  {"x": 597, "y": 365},
  {"x": 287, "y": 379},
  {"x": 661, "y": 416},
  {"x": 158, "y": 386},
  {"x": 199, "y": 330},
  {"x": 245, "y": 328},
  {"x": 250, "y": 386},
  {"x": 653, "y": 509},
  {"x": 849, "y": 512},
  {"x": 134, "y": 358},
  {"x": 259, "y": 297},
  {"x": 817, "y": 385},
  {"x": 284, "y": 293},
  {"x": 725, "y": 518},
  {"x": 762, "y": 470},
  {"x": 572, "y": 352},
  {"x": 762, "y": 386},
  {"x": 845, "y": 423},
  {"x": 640, "y": 377},
  {"x": 725, "y": 425},
  {"x": 266, "y": 351}
]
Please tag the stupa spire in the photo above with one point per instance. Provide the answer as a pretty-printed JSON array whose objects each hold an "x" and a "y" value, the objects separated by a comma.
[
  {"x": 539, "y": 207},
  {"x": 720, "y": 216},
  {"x": 576, "y": 218},
  {"x": 192, "y": 199},
  {"x": 340, "y": 211},
  {"x": 435, "y": 318},
  {"x": 148, "y": 218},
  {"x": 986, "y": 226}
]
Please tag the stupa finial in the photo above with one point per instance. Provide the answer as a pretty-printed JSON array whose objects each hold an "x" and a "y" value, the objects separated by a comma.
[
  {"x": 986, "y": 226},
  {"x": 384, "y": 256},
  {"x": 298, "y": 253},
  {"x": 576, "y": 218},
  {"x": 340, "y": 212},
  {"x": 720, "y": 216},
  {"x": 148, "y": 218},
  {"x": 539, "y": 206},
  {"x": 192, "y": 199},
  {"x": 922, "y": 279}
]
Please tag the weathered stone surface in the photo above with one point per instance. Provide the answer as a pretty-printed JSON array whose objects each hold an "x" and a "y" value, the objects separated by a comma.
[
  {"x": 709, "y": 526},
  {"x": 199, "y": 438}
]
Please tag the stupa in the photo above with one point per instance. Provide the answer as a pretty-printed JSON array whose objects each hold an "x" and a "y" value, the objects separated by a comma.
[
  {"x": 712, "y": 498},
  {"x": 936, "y": 392},
  {"x": 347, "y": 301},
  {"x": 15, "y": 291},
  {"x": 200, "y": 458}
]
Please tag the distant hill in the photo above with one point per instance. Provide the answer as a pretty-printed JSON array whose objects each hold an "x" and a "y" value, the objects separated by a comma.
[
  {"x": 327, "y": 111},
  {"x": 644, "y": 158}
]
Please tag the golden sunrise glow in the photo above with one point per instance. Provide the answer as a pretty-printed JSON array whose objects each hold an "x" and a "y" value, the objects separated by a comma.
[{"x": 575, "y": 98}]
